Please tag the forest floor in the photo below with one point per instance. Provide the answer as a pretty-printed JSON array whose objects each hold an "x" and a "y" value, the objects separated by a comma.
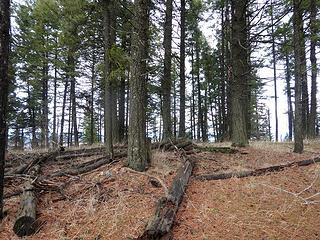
[{"x": 113, "y": 202}]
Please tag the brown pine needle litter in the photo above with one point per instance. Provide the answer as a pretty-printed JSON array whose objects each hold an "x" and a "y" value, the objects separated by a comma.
[{"x": 113, "y": 203}]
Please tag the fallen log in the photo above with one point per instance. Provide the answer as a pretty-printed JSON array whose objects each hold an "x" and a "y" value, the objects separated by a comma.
[
  {"x": 78, "y": 155},
  {"x": 216, "y": 149},
  {"x": 37, "y": 160},
  {"x": 160, "y": 225},
  {"x": 96, "y": 163},
  {"x": 256, "y": 172},
  {"x": 25, "y": 223}
]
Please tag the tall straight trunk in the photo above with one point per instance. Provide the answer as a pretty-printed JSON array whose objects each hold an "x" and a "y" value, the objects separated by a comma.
[
  {"x": 115, "y": 119},
  {"x": 107, "y": 21},
  {"x": 289, "y": 97},
  {"x": 200, "y": 110},
  {"x": 239, "y": 84},
  {"x": 174, "y": 110},
  {"x": 138, "y": 157},
  {"x": 93, "y": 79},
  {"x": 4, "y": 85},
  {"x": 64, "y": 102},
  {"x": 304, "y": 88},
  {"x": 182, "y": 111},
  {"x": 298, "y": 73},
  {"x": 222, "y": 108},
  {"x": 314, "y": 69},
  {"x": 166, "y": 81},
  {"x": 45, "y": 110},
  {"x": 205, "y": 117},
  {"x": 54, "y": 121},
  {"x": 122, "y": 109},
  {"x": 228, "y": 134},
  {"x": 31, "y": 112},
  {"x": 193, "y": 106},
  {"x": 274, "y": 74},
  {"x": 70, "y": 122},
  {"x": 191, "y": 118},
  {"x": 71, "y": 61}
]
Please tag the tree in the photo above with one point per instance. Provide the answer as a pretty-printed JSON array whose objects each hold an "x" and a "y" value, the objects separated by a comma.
[
  {"x": 4, "y": 84},
  {"x": 239, "y": 82},
  {"x": 182, "y": 122},
  {"x": 167, "y": 81},
  {"x": 298, "y": 74},
  {"x": 138, "y": 157},
  {"x": 314, "y": 69}
]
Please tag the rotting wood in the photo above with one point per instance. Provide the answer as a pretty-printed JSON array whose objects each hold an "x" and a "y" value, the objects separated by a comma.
[
  {"x": 256, "y": 172},
  {"x": 37, "y": 160},
  {"x": 25, "y": 223},
  {"x": 216, "y": 149},
  {"x": 160, "y": 225}
]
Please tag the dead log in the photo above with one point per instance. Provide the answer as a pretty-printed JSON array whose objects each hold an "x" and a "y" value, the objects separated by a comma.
[
  {"x": 25, "y": 223},
  {"x": 37, "y": 160},
  {"x": 160, "y": 225},
  {"x": 216, "y": 149},
  {"x": 84, "y": 168},
  {"x": 256, "y": 172},
  {"x": 78, "y": 155}
]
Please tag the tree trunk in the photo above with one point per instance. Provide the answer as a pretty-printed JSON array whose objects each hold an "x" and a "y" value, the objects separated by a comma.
[
  {"x": 239, "y": 88},
  {"x": 138, "y": 158},
  {"x": 314, "y": 69},
  {"x": 298, "y": 61},
  {"x": 274, "y": 73},
  {"x": 289, "y": 97},
  {"x": 71, "y": 63},
  {"x": 182, "y": 120},
  {"x": 64, "y": 102},
  {"x": 54, "y": 121},
  {"x": 107, "y": 21},
  {"x": 166, "y": 81},
  {"x": 4, "y": 85}
]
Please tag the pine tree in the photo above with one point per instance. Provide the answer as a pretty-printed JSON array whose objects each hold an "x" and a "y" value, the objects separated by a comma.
[{"x": 4, "y": 84}]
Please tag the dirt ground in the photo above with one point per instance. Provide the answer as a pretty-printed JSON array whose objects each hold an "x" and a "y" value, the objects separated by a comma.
[{"x": 114, "y": 203}]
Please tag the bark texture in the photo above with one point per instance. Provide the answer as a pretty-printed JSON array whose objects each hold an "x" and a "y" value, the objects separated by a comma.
[
  {"x": 239, "y": 96},
  {"x": 298, "y": 62},
  {"x": 166, "y": 81},
  {"x": 137, "y": 145},
  {"x": 4, "y": 83}
]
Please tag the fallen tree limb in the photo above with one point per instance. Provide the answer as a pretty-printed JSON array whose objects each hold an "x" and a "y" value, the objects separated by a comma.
[
  {"x": 256, "y": 172},
  {"x": 160, "y": 225}
]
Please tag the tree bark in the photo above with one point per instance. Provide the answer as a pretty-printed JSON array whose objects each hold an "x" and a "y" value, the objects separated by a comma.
[
  {"x": 167, "y": 207},
  {"x": 137, "y": 145},
  {"x": 182, "y": 120},
  {"x": 166, "y": 81},
  {"x": 298, "y": 61},
  {"x": 314, "y": 69},
  {"x": 239, "y": 88},
  {"x": 107, "y": 19},
  {"x": 4, "y": 85}
]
